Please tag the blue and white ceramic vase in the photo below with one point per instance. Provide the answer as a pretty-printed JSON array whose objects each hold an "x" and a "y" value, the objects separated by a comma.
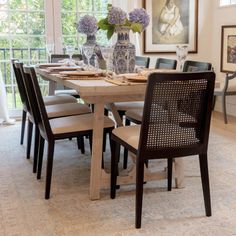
[
  {"x": 124, "y": 52},
  {"x": 91, "y": 40}
]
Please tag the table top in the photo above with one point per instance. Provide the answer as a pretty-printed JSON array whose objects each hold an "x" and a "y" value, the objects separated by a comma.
[{"x": 96, "y": 91}]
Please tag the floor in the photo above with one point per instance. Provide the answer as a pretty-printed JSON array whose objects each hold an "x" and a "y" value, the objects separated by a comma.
[{"x": 24, "y": 212}]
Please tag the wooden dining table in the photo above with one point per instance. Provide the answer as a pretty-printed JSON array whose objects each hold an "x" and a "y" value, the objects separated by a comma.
[{"x": 100, "y": 93}]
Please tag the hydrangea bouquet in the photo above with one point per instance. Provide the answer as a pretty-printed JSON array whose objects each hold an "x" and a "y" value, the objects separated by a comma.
[
  {"x": 87, "y": 25},
  {"x": 137, "y": 20}
]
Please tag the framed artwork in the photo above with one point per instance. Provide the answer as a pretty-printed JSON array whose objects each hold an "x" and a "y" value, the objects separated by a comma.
[
  {"x": 228, "y": 48},
  {"x": 172, "y": 22}
]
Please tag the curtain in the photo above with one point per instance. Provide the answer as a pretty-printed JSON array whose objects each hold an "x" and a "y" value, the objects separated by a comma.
[{"x": 4, "y": 115}]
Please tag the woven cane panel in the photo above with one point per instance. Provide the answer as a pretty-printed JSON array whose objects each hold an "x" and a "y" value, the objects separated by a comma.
[{"x": 174, "y": 113}]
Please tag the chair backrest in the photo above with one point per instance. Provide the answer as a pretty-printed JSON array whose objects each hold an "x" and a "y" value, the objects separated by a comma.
[
  {"x": 40, "y": 114},
  {"x": 32, "y": 108},
  {"x": 20, "y": 84},
  {"x": 188, "y": 102},
  {"x": 57, "y": 57},
  {"x": 77, "y": 57},
  {"x": 193, "y": 66},
  {"x": 165, "y": 63},
  {"x": 142, "y": 61}
]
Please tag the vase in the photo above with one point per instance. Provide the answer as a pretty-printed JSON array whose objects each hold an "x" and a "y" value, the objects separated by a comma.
[
  {"x": 124, "y": 52},
  {"x": 97, "y": 55}
]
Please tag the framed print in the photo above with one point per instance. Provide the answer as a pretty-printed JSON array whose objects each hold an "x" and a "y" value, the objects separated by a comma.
[
  {"x": 172, "y": 22},
  {"x": 228, "y": 48}
]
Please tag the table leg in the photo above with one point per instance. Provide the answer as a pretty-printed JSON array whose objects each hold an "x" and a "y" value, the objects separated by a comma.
[
  {"x": 52, "y": 87},
  {"x": 96, "y": 162},
  {"x": 179, "y": 172}
]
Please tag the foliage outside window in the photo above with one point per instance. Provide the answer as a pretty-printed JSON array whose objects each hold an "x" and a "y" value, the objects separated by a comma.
[
  {"x": 72, "y": 11},
  {"x": 22, "y": 36}
]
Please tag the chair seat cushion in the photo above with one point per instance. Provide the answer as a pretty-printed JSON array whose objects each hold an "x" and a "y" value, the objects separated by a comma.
[
  {"x": 66, "y": 109},
  {"x": 135, "y": 114},
  {"x": 124, "y": 106},
  {"x": 129, "y": 134},
  {"x": 71, "y": 92},
  {"x": 58, "y": 99},
  {"x": 78, "y": 123},
  {"x": 174, "y": 136}
]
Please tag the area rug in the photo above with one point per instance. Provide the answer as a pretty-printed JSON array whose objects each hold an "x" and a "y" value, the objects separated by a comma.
[{"x": 69, "y": 212}]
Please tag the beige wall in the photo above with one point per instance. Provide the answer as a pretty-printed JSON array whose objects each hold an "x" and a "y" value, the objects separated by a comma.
[
  {"x": 221, "y": 16},
  {"x": 210, "y": 19}
]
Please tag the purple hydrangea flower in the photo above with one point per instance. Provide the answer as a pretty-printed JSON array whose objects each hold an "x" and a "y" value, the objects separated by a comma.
[
  {"x": 87, "y": 25},
  {"x": 139, "y": 15},
  {"x": 116, "y": 16}
]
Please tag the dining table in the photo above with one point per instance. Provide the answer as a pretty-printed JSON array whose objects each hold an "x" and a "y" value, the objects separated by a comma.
[{"x": 101, "y": 92}]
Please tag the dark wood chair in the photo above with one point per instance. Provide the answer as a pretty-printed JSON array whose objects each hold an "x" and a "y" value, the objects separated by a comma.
[
  {"x": 184, "y": 132},
  {"x": 135, "y": 115},
  {"x": 166, "y": 63},
  {"x": 142, "y": 61},
  {"x": 49, "y": 100},
  {"x": 53, "y": 111},
  {"x": 60, "y": 88},
  {"x": 226, "y": 89},
  {"x": 58, "y": 128},
  {"x": 192, "y": 66}
]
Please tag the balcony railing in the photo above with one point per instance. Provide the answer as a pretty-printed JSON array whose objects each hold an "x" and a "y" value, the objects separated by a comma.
[{"x": 26, "y": 55}]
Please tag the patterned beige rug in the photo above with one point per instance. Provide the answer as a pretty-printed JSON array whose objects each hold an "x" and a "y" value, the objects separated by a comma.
[{"x": 24, "y": 212}]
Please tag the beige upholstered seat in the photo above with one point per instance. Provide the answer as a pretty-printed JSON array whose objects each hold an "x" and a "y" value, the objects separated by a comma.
[
  {"x": 135, "y": 114},
  {"x": 71, "y": 124},
  {"x": 131, "y": 135},
  {"x": 67, "y": 109},
  {"x": 52, "y": 100},
  {"x": 128, "y": 105},
  {"x": 71, "y": 92}
]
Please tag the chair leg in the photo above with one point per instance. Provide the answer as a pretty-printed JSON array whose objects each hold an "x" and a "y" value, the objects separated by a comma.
[
  {"x": 115, "y": 153},
  {"x": 139, "y": 192},
  {"x": 169, "y": 169},
  {"x": 30, "y": 129},
  {"x": 127, "y": 123},
  {"x": 205, "y": 183},
  {"x": 213, "y": 102},
  {"x": 51, "y": 145},
  {"x": 36, "y": 149},
  {"x": 224, "y": 108},
  {"x": 80, "y": 143},
  {"x": 24, "y": 113},
  {"x": 40, "y": 156}
]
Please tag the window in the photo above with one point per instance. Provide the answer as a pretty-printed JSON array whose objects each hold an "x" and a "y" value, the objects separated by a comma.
[
  {"x": 22, "y": 36},
  {"x": 24, "y": 33},
  {"x": 227, "y": 2}
]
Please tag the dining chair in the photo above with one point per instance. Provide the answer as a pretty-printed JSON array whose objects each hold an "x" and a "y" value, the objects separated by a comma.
[
  {"x": 57, "y": 128},
  {"x": 142, "y": 61},
  {"x": 60, "y": 88},
  {"x": 165, "y": 63},
  {"x": 122, "y": 107},
  {"x": 191, "y": 66},
  {"x": 135, "y": 115},
  {"x": 49, "y": 100},
  {"x": 53, "y": 111},
  {"x": 184, "y": 132},
  {"x": 228, "y": 88}
]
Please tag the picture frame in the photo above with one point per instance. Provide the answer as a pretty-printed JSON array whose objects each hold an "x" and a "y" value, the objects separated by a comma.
[
  {"x": 228, "y": 48},
  {"x": 162, "y": 36}
]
